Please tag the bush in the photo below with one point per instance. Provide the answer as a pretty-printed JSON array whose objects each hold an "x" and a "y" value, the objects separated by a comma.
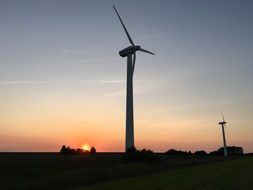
[
  {"x": 232, "y": 151},
  {"x": 177, "y": 152},
  {"x": 144, "y": 155},
  {"x": 68, "y": 150},
  {"x": 200, "y": 153},
  {"x": 93, "y": 150}
]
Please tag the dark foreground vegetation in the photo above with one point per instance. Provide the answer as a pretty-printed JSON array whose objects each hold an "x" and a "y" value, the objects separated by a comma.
[
  {"x": 58, "y": 171},
  {"x": 71, "y": 151},
  {"x": 145, "y": 156},
  {"x": 232, "y": 151},
  {"x": 225, "y": 175}
]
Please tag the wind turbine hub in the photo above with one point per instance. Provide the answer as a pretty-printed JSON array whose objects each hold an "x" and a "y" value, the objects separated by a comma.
[
  {"x": 223, "y": 122},
  {"x": 129, "y": 50}
]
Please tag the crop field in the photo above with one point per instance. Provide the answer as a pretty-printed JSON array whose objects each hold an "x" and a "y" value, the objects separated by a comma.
[
  {"x": 108, "y": 171},
  {"x": 229, "y": 175}
]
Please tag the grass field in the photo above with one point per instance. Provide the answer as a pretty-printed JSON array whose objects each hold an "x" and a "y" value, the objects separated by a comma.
[
  {"x": 231, "y": 174},
  {"x": 107, "y": 171}
]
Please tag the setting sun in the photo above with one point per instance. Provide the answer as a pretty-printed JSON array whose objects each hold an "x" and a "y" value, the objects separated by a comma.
[{"x": 86, "y": 147}]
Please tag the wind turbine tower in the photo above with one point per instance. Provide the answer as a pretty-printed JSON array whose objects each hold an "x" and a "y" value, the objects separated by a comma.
[
  {"x": 223, "y": 124},
  {"x": 130, "y": 53}
]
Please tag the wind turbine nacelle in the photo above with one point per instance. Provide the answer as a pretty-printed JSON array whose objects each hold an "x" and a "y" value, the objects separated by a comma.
[
  {"x": 223, "y": 123},
  {"x": 129, "y": 50}
]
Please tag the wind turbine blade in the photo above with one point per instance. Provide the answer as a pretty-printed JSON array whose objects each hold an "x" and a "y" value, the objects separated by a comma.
[
  {"x": 222, "y": 116},
  {"x": 146, "y": 51},
  {"x": 134, "y": 63},
  {"x": 128, "y": 36}
]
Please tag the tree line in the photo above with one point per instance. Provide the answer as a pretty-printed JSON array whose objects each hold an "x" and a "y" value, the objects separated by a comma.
[{"x": 68, "y": 150}]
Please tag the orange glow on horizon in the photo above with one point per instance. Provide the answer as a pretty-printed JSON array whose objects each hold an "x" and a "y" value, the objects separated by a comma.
[{"x": 86, "y": 147}]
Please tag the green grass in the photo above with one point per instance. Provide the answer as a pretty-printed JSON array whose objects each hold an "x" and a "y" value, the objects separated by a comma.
[
  {"x": 230, "y": 174},
  {"x": 55, "y": 171}
]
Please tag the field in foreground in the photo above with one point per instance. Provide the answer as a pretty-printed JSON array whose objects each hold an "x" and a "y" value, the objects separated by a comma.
[
  {"x": 230, "y": 174},
  {"x": 107, "y": 171}
]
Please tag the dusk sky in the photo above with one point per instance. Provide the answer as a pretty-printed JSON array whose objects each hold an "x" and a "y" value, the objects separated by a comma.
[{"x": 62, "y": 80}]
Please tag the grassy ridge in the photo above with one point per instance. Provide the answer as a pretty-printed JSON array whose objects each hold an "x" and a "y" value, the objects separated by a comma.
[
  {"x": 55, "y": 171},
  {"x": 231, "y": 174}
]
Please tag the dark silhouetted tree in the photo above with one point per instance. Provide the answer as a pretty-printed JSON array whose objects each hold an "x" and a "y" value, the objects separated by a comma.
[
  {"x": 200, "y": 153},
  {"x": 232, "y": 151},
  {"x": 93, "y": 150},
  {"x": 79, "y": 151},
  {"x": 63, "y": 150},
  {"x": 144, "y": 155},
  {"x": 177, "y": 152}
]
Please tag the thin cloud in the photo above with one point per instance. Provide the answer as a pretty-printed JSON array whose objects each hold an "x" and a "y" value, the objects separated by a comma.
[
  {"x": 21, "y": 82},
  {"x": 110, "y": 81},
  {"x": 91, "y": 60},
  {"x": 191, "y": 107},
  {"x": 82, "y": 50},
  {"x": 114, "y": 95},
  {"x": 77, "y": 81},
  {"x": 99, "y": 60},
  {"x": 154, "y": 36},
  {"x": 66, "y": 51},
  {"x": 173, "y": 59},
  {"x": 101, "y": 81}
]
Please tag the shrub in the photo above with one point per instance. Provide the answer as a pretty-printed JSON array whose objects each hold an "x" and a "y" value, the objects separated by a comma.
[
  {"x": 177, "y": 152},
  {"x": 232, "y": 151},
  {"x": 200, "y": 153},
  {"x": 68, "y": 150},
  {"x": 144, "y": 155},
  {"x": 92, "y": 150}
]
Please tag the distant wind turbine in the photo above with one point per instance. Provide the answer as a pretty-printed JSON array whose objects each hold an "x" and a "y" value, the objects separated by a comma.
[
  {"x": 223, "y": 124},
  {"x": 130, "y": 53}
]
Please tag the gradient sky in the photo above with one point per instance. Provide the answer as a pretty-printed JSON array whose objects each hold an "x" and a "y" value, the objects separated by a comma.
[{"x": 63, "y": 82}]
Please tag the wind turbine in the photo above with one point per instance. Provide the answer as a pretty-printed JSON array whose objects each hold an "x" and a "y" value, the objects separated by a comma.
[
  {"x": 223, "y": 124},
  {"x": 130, "y": 53}
]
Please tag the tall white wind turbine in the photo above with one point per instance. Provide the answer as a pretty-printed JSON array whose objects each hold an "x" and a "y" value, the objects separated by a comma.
[
  {"x": 130, "y": 53},
  {"x": 223, "y": 124}
]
